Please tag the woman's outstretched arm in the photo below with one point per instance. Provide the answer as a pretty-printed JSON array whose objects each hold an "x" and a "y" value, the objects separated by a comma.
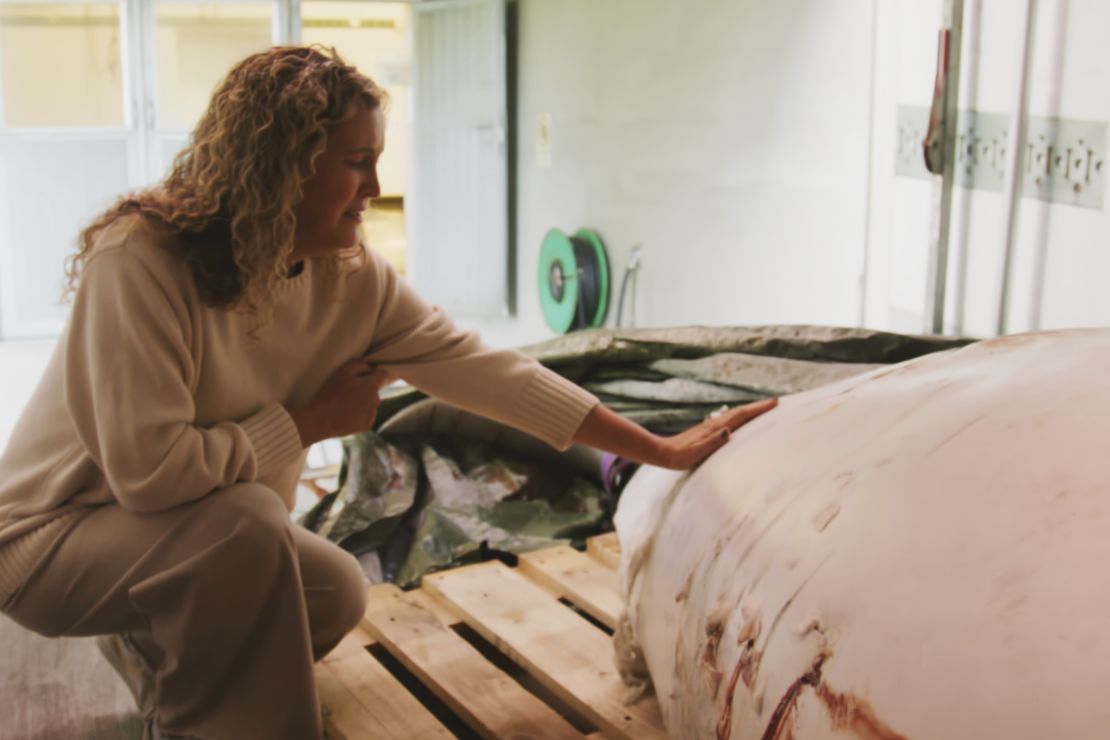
[{"x": 611, "y": 432}]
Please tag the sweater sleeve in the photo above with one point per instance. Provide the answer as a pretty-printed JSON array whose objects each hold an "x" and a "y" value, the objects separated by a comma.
[
  {"x": 421, "y": 345},
  {"x": 128, "y": 379}
]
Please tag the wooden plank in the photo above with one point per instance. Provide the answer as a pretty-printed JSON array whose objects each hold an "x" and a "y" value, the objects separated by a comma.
[
  {"x": 344, "y": 716},
  {"x": 583, "y": 580},
  {"x": 563, "y": 651},
  {"x": 433, "y": 606},
  {"x": 606, "y": 548},
  {"x": 364, "y": 700},
  {"x": 413, "y": 628}
]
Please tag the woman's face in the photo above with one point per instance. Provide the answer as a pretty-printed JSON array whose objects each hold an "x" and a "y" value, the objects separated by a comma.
[{"x": 345, "y": 180}]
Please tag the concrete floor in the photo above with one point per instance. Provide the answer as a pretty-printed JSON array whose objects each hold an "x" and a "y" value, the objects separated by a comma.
[{"x": 60, "y": 690}]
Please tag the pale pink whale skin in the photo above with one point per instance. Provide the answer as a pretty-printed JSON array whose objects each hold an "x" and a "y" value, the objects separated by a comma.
[{"x": 921, "y": 551}]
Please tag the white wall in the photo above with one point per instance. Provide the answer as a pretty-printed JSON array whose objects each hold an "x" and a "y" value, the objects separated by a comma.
[
  {"x": 729, "y": 137},
  {"x": 1061, "y": 260},
  {"x": 1070, "y": 79},
  {"x": 751, "y": 146}
]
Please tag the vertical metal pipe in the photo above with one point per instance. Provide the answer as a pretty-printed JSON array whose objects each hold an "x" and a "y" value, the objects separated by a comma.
[
  {"x": 1014, "y": 172},
  {"x": 287, "y": 22},
  {"x": 938, "y": 252},
  {"x": 865, "y": 268}
]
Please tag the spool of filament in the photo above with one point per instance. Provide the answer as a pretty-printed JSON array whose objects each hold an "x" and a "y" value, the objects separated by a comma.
[{"x": 574, "y": 280}]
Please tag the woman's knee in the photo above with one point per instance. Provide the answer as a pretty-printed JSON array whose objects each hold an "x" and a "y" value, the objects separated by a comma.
[
  {"x": 336, "y": 599},
  {"x": 350, "y": 592},
  {"x": 252, "y": 499},
  {"x": 249, "y": 516},
  {"x": 251, "y": 502}
]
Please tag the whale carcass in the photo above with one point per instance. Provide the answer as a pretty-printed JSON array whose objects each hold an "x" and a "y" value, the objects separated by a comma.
[{"x": 915, "y": 552}]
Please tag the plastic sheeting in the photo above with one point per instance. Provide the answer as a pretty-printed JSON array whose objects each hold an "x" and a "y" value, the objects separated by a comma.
[
  {"x": 496, "y": 503},
  {"x": 454, "y": 501}
]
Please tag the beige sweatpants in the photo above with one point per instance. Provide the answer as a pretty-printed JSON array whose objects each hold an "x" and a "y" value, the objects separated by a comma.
[{"x": 228, "y": 600}]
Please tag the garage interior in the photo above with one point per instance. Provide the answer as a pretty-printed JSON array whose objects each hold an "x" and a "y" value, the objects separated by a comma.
[{"x": 679, "y": 206}]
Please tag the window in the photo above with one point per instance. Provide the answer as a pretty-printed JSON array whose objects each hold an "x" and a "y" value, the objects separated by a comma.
[
  {"x": 197, "y": 43},
  {"x": 61, "y": 65},
  {"x": 95, "y": 102}
]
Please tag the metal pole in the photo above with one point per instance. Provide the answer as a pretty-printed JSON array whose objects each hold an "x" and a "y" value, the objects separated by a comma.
[
  {"x": 287, "y": 22},
  {"x": 938, "y": 252},
  {"x": 1014, "y": 172}
]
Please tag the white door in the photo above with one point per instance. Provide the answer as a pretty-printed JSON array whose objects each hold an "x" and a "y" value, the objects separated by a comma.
[{"x": 458, "y": 214}]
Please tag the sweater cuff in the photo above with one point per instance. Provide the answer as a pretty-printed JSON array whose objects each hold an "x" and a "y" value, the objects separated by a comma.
[
  {"x": 273, "y": 436},
  {"x": 553, "y": 408}
]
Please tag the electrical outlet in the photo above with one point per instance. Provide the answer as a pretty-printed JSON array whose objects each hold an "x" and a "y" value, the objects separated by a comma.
[
  {"x": 1064, "y": 161},
  {"x": 980, "y": 147},
  {"x": 981, "y": 150}
]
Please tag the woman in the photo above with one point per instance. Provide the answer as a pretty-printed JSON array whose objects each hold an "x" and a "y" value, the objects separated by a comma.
[{"x": 224, "y": 321}]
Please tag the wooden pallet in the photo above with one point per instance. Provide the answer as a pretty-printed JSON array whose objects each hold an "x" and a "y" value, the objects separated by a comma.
[{"x": 474, "y": 638}]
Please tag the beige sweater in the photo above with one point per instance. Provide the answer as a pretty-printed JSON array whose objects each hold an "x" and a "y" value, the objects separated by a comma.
[{"x": 153, "y": 399}]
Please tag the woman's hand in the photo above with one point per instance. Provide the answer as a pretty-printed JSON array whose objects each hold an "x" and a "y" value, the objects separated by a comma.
[
  {"x": 688, "y": 448},
  {"x": 606, "y": 430},
  {"x": 347, "y": 404}
]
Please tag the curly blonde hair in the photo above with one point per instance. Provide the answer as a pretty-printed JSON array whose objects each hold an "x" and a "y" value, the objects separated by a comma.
[{"x": 230, "y": 195}]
